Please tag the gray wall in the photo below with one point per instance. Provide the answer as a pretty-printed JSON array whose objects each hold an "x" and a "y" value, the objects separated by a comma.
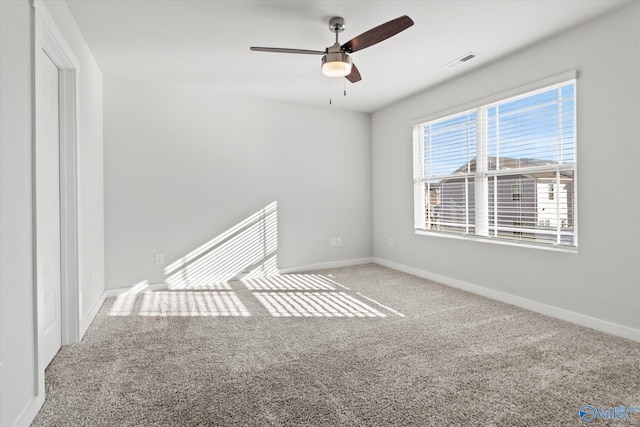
[
  {"x": 601, "y": 279},
  {"x": 182, "y": 166},
  {"x": 17, "y": 351}
]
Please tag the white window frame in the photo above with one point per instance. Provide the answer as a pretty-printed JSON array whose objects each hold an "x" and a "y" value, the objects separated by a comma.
[{"x": 481, "y": 191}]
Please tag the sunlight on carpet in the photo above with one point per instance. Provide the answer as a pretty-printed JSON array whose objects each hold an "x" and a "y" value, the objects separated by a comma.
[
  {"x": 315, "y": 304},
  {"x": 287, "y": 295},
  {"x": 192, "y": 304},
  {"x": 301, "y": 282}
]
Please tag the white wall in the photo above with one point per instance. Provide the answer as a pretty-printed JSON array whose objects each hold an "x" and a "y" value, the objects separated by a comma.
[
  {"x": 19, "y": 402},
  {"x": 182, "y": 166},
  {"x": 16, "y": 278},
  {"x": 601, "y": 280}
]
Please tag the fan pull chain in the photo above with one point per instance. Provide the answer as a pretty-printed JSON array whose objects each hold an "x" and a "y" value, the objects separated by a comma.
[
  {"x": 330, "y": 90},
  {"x": 344, "y": 86},
  {"x": 344, "y": 83}
]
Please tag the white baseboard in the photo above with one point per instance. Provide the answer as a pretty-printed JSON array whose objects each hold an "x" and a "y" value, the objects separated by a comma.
[
  {"x": 119, "y": 291},
  {"x": 538, "y": 307},
  {"x": 30, "y": 411},
  {"x": 325, "y": 265},
  {"x": 86, "y": 322}
]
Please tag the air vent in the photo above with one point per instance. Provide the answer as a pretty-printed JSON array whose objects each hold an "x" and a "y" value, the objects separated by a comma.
[
  {"x": 462, "y": 60},
  {"x": 468, "y": 57}
]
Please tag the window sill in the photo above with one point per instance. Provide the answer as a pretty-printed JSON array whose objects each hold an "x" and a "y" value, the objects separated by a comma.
[{"x": 553, "y": 248}]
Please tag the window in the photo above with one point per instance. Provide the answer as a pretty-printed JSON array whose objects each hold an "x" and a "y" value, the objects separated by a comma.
[{"x": 504, "y": 170}]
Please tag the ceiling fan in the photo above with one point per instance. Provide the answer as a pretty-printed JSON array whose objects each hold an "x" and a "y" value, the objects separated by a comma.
[{"x": 336, "y": 61}]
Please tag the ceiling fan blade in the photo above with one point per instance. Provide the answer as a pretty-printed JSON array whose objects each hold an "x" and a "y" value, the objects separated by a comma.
[
  {"x": 282, "y": 50},
  {"x": 378, "y": 34},
  {"x": 354, "y": 75}
]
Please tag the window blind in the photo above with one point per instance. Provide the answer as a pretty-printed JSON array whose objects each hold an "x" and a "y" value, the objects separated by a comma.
[{"x": 504, "y": 170}]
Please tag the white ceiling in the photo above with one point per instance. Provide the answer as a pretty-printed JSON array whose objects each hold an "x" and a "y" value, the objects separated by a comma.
[{"x": 205, "y": 43}]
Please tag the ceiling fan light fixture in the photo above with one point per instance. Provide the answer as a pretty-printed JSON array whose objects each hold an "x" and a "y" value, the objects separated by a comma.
[{"x": 336, "y": 64}]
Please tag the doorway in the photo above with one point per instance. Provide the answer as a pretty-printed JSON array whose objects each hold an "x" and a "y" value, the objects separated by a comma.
[
  {"x": 55, "y": 193},
  {"x": 47, "y": 206}
]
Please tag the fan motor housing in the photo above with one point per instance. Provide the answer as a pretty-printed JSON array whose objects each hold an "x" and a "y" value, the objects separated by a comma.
[{"x": 336, "y": 57}]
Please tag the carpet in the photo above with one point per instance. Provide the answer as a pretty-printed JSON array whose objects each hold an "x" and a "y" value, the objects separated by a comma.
[{"x": 355, "y": 346}]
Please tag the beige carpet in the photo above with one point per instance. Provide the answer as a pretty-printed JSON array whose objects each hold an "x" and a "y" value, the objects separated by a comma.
[{"x": 357, "y": 346}]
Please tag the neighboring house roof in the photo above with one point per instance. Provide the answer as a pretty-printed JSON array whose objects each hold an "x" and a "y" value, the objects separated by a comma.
[{"x": 507, "y": 163}]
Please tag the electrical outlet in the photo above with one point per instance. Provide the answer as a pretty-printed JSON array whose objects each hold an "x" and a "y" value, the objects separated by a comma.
[
  {"x": 159, "y": 258},
  {"x": 390, "y": 242},
  {"x": 338, "y": 241},
  {"x": 333, "y": 241}
]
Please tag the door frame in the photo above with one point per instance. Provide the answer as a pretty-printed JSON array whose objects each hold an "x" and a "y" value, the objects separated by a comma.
[{"x": 48, "y": 38}]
